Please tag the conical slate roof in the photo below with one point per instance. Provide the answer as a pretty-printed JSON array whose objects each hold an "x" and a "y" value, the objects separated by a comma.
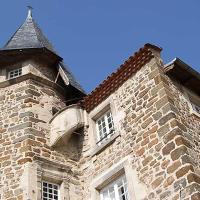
[{"x": 29, "y": 35}]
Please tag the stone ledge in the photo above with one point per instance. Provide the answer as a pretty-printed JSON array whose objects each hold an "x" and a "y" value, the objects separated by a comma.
[
  {"x": 52, "y": 163},
  {"x": 99, "y": 149},
  {"x": 31, "y": 76}
]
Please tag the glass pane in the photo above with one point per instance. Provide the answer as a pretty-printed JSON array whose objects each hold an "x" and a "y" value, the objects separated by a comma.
[
  {"x": 105, "y": 126},
  {"x": 50, "y": 191}
]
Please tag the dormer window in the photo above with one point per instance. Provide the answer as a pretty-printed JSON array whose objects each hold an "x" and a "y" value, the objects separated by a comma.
[
  {"x": 14, "y": 73},
  {"x": 105, "y": 127}
]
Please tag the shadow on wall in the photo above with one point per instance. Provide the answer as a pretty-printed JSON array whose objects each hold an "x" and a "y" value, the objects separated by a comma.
[{"x": 72, "y": 149}]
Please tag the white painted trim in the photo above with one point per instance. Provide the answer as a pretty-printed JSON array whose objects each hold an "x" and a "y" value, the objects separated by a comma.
[
  {"x": 102, "y": 108},
  {"x": 123, "y": 166}
]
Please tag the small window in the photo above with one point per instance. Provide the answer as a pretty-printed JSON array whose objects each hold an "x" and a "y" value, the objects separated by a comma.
[
  {"x": 117, "y": 190},
  {"x": 196, "y": 108},
  {"x": 50, "y": 191},
  {"x": 14, "y": 73},
  {"x": 105, "y": 127},
  {"x": 194, "y": 101},
  {"x": 54, "y": 110}
]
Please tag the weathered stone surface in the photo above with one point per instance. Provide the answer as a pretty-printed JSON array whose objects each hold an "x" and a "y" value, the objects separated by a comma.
[
  {"x": 166, "y": 118},
  {"x": 192, "y": 177},
  {"x": 26, "y": 114},
  {"x": 146, "y": 122},
  {"x": 195, "y": 196},
  {"x": 165, "y": 195},
  {"x": 180, "y": 184},
  {"x": 157, "y": 182},
  {"x": 33, "y": 92},
  {"x": 163, "y": 130},
  {"x": 171, "y": 135},
  {"x": 31, "y": 100},
  {"x": 20, "y": 126},
  {"x": 182, "y": 150},
  {"x": 173, "y": 167},
  {"x": 24, "y": 160},
  {"x": 168, "y": 181},
  {"x": 168, "y": 148},
  {"x": 184, "y": 170},
  {"x": 181, "y": 141},
  {"x": 161, "y": 102},
  {"x": 147, "y": 160}
]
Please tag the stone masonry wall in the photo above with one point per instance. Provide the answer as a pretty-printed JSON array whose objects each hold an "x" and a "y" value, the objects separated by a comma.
[
  {"x": 189, "y": 141},
  {"x": 26, "y": 108},
  {"x": 153, "y": 132}
]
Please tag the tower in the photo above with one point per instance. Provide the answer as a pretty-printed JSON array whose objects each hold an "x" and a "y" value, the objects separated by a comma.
[
  {"x": 134, "y": 137},
  {"x": 35, "y": 84}
]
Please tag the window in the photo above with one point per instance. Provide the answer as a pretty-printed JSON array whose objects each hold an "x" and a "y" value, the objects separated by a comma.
[
  {"x": 14, "y": 73},
  {"x": 50, "y": 191},
  {"x": 116, "y": 190},
  {"x": 54, "y": 110},
  {"x": 195, "y": 107},
  {"x": 105, "y": 127},
  {"x": 194, "y": 101}
]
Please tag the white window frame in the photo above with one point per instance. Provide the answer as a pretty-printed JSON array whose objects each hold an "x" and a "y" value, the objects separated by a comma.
[
  {"x": 115, "y": 186},
  {"x": 15, "y": 73},
  {"x": 109, "y": 131},
  {"x": 54, "y": 184},
  {"x": 123, "y": 167}
]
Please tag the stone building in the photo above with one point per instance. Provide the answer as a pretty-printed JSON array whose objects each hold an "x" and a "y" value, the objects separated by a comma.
[{"x": 135, "y": 137}]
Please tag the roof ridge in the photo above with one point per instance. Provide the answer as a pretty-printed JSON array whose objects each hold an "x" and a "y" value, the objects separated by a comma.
[
  {"x": 36, "y": 26},
  {"x": 117, "y": 78}
]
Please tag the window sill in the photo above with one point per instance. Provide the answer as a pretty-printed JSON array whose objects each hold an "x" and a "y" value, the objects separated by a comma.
[{"x": 98, "y": 149}]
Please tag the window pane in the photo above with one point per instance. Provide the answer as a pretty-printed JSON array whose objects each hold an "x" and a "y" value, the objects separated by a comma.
[
  {"x": 15, "y": 73},
  {"x": 105, "y": 126},
  {"x": 116, "y": 189},
  {"x": 50, "y": 191}
]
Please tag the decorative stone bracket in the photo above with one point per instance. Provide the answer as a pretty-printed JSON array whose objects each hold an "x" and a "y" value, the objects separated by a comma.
[{"x": 64, "y": 123}]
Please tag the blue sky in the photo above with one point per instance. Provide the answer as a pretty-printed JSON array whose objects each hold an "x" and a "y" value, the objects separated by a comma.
[{"x": 95, "y": 36}]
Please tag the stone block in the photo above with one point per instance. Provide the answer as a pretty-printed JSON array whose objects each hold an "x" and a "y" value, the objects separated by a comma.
[
  {"x": 181, "y": 141},
  {"x": 184, "y": 170},
  {"x": 24, "y": 160},
  {"x": 32, "y": 92},
  {"x": 157, "y": 182},
  {"x": 147, "y": 160},
  {"x": 166, "y": 118},
  {"x": 195, "y": 196},
  {"x": 163, "y": 130},
  {"x": 168, "y": 148},
  {"x": 175, "y": 154},
  {"x": 173, "y": 167},
  {"x": 171, "y": 135},
  {"x": 20, "y": 126},
  {"x": 192, "y": 177},
  {"x": 180, "y": 184}
]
